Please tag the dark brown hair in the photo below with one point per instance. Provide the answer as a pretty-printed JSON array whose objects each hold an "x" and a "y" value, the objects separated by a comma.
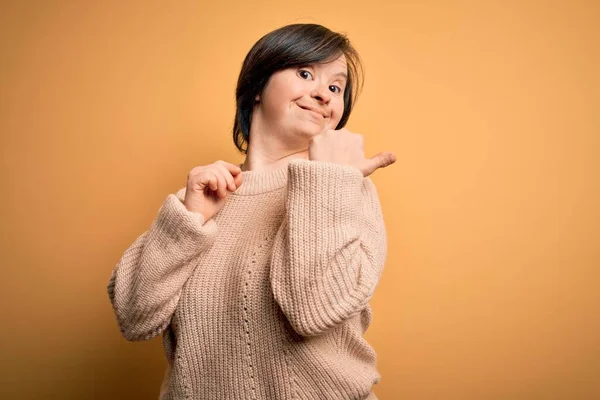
[{"x": 290, "y": 46}]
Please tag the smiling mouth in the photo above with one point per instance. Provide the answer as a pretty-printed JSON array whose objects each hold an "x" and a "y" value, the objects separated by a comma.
[{"x": 314, "y": 112}]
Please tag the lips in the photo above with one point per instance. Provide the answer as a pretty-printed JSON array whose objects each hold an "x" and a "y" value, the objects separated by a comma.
[{"x": 322, "y": 113}]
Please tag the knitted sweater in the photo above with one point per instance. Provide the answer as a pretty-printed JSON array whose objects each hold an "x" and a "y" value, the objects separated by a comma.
[{"x": 268, "y": 299}]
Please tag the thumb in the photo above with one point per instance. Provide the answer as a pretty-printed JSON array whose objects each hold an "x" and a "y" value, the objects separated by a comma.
[
  {"x": 238, "y": 179},
  {"x": 380, "y": 160}
]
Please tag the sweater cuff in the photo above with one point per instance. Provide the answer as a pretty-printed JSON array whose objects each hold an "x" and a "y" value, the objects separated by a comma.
[
  {"x": 301, "y": 165},
  {"x": 176, "y": 222},
  {"x": 329, "y": 189}
]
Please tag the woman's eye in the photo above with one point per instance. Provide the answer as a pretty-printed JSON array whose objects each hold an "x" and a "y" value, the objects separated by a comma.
[
  {"x": 336, "y": 87},
  {"x": 303, "y": 73}
]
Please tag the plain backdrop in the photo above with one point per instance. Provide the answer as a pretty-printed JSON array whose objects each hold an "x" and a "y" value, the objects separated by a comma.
[{"x": 491, "y": 285}]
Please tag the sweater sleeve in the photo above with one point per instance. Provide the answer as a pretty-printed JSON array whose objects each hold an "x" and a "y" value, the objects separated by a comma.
[
  {"x": 330, "y": 250},
  {"x": 145, "y": 285}
]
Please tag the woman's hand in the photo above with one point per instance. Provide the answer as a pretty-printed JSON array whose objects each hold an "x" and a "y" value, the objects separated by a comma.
[
  {"x": 344, "y": 147},
  {"x": 208, "y": 187}
]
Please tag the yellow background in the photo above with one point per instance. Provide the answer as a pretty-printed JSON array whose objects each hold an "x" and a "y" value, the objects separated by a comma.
[{"x": 491, "y": 286}]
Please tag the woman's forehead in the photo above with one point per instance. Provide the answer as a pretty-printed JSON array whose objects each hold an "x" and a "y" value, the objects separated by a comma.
[{"x": 337, "y": 64}]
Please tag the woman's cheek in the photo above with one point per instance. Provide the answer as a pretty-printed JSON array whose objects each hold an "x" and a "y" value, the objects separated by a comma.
[{"x": 336, "y": 116}]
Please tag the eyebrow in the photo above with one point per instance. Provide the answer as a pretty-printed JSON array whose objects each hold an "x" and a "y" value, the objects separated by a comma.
[{"x": 342, "y": 74}]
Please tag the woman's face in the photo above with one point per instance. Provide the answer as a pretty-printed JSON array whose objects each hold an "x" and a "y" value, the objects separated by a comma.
[{"x": 304, "y": 100}]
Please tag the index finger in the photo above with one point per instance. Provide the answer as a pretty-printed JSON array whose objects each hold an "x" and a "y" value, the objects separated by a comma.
[{"x": 232, "y": 168}]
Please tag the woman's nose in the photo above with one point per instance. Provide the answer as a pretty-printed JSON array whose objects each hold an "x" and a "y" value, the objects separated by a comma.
[{"x": 321, "y": 93}]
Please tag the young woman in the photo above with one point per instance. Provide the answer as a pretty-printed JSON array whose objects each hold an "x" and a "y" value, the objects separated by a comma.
[{"x": 259, "y": 275}]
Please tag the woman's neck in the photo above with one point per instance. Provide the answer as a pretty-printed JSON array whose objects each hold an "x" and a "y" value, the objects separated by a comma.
[{"x": 260, "y": 161}]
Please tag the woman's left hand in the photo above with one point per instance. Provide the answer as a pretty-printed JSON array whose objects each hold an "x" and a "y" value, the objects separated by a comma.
[{"x": 344, "y": 147}]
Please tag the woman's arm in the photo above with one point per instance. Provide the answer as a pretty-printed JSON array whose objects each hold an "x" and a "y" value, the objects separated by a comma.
[
  {"x": 330, "y": 251},
  {"x": 145, "y": 285}
]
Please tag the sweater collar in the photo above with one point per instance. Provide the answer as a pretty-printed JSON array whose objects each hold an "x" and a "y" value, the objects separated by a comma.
[{"x": 256, "y": 182}]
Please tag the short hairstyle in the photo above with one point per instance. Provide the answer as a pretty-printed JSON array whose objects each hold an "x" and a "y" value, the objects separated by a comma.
[{"x": 290, "y": 46}]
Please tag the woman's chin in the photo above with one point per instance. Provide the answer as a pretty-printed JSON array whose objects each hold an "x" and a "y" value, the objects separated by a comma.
[{"x": 311, "y": 128}]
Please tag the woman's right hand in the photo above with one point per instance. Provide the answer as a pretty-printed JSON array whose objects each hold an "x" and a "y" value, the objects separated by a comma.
[{"x": 208, "y": 187}]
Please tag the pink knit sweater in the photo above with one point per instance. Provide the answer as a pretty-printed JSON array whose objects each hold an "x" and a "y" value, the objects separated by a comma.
[{"x": 269, "y": 299}]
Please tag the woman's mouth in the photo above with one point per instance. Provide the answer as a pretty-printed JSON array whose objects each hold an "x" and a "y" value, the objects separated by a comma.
[{"x": 313, "y": 112}]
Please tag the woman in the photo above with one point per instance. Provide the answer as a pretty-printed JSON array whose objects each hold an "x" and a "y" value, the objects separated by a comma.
[{"x": 259, "y": 275}]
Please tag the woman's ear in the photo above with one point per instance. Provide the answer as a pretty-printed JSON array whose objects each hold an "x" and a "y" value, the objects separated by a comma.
[{"x": 257, "y": 98}]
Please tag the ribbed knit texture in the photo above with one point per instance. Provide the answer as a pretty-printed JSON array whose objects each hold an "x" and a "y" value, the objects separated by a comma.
[{"x": 269, "y": 299}]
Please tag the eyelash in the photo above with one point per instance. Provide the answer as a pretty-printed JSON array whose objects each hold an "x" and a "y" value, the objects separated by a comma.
[{"x": 339, "y": 89}]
